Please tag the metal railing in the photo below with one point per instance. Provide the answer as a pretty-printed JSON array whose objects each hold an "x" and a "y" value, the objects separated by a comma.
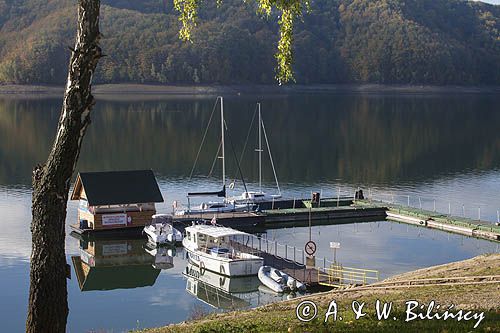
[
  {"x": 452, "y": 208},
  {"x": 255, "y": 244},
  {"x": 339, "y": 276}
]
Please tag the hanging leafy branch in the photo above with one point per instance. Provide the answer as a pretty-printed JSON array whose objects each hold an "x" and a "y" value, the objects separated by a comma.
[
  {"x": 188, "y": 10},
  {"x": 290, "y": 10}
]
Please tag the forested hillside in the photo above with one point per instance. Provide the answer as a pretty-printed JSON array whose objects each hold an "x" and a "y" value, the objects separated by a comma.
[{"x": 339, "y": 41}]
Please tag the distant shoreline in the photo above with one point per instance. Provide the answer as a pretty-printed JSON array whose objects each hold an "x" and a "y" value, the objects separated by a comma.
[{"x": 156, "y": 90}]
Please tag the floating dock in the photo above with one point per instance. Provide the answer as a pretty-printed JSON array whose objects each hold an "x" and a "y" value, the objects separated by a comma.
[
  {"x": 290, "y": 211},
  {"x": 233, "y": 219},
  {"x": 340, "y": 210},
  {"x": 322, "y": 213},
  {"x": 435, "y": 220}
]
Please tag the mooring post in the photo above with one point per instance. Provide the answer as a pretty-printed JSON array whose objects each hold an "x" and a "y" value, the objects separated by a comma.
[
  {"x": 434, "y": 205},
  {"x": 267, "y": 245},
  {"x": 294, "y": 254},
  {"x": 286, "y": 251},
  {"x": 408, "y": 201},
  {"x": 479, "y": 213},
  {"x": 338, "y": 196},
  {"x": 275, "y": 248},
  {"x": 449, "y": 208},
  {"x": 293, "y": 203},
  {"x": 419, "y": 202}
]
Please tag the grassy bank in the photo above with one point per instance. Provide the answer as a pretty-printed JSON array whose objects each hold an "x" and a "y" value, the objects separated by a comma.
[{"x": 479, "y": 296}]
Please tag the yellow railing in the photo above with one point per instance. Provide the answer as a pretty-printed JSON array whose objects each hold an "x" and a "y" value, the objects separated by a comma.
[{"x": 339, "y": 276}]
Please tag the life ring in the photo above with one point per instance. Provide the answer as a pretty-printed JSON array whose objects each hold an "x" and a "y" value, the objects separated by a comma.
[
  {"x": 202, "y": 268},
  {"x": 222, "y": 270}
]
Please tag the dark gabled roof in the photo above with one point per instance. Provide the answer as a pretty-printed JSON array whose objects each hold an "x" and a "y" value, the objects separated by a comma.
[{"x": 117, "y": 187}]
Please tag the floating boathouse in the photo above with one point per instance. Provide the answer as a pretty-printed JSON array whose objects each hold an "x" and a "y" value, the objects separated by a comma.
[{"x": 115, "y": 199}]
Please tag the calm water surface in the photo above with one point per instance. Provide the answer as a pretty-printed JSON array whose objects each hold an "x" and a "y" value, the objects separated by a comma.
[{"x": 434, "y": 148}]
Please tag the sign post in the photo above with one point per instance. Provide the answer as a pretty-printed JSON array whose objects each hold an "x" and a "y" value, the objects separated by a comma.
[
  {"x": 335, "y": 246},
  {"x": 310, "y": 250}
]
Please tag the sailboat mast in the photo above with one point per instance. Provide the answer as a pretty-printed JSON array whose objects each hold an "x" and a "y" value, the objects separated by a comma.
[
  {"x": 260, "y": 150},
  {"x": 222, "y": 142}
]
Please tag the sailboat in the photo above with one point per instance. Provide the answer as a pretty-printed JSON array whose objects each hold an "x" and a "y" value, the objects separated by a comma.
[
  {"x": 216, "y": 206},
  {"x": 256, "y": 197}
]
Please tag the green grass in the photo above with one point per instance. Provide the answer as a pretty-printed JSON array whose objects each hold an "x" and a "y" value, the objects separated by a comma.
[{"x": 280, "y": 317}]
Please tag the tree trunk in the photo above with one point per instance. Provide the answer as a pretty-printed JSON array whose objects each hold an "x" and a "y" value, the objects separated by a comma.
[{"x": 48, "y": 304}]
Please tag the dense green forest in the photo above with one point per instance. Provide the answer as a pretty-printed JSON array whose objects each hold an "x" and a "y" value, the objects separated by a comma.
[{"x": 339, "y": 41}]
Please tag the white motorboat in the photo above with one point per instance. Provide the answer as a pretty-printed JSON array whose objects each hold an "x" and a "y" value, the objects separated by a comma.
[
  {"x": 162, "y": 231},
  {"x": 279, "y": 281},
  {"x": 233, "y": 285},
  {"x": 216, "y": 249}
]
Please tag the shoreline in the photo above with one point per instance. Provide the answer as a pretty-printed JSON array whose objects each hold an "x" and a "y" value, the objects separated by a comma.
[
  {"x": 208, "y": 90},
  {"x": 462, "y": 284}
]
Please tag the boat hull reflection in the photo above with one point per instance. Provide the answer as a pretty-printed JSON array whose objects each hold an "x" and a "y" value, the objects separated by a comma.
[{"x": 219, "y": 291}]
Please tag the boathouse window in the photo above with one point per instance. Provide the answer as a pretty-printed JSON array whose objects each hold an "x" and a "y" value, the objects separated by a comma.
[{"x": 188, "y": 235}]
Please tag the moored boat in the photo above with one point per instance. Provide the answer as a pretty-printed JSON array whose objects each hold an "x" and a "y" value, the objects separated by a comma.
[
  {"x": 279, "y": 281},
  {"x": 215, "y": 249},
  {"x": 162, "y": 231},
  {"x": 255, "y": 198}
]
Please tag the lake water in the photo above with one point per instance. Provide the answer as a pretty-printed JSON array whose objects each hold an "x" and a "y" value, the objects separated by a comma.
[{"x": 442, "y": 149}]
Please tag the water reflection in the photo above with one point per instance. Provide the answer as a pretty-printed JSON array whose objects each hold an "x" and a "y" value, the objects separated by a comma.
[
  {"x": 218, "y": 291},
  {"x": 362, "y": 139},
  {"x": 108, "y": 264},
  {"x": 441, "y": 146}
]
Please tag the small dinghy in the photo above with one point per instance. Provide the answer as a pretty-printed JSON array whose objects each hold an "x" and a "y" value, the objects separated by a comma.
[
  {"x": 162, "y": 231},
  {"x": 279, "y": 281}
]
